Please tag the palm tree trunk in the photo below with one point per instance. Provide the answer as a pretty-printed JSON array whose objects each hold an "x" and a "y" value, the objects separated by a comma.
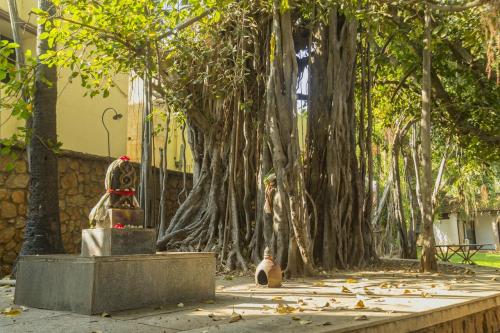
[{"x": 43, "y": 232}]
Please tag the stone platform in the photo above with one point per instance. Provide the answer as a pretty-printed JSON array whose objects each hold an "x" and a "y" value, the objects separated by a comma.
[
  {"x": 112, "y": 241},
  {"x": 90, "y": 285},
  {"x": 395, "y": 301}
]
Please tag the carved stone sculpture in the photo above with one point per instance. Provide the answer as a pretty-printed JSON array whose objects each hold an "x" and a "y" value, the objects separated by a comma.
[
  {"x": 117, "y": 220},
  {"x": 118, "y": 206}
]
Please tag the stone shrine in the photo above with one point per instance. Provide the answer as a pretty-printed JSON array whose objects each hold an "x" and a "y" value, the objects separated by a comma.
[
  {"x": 117, "y": 219},
  {"x": 118, "y": 268}
]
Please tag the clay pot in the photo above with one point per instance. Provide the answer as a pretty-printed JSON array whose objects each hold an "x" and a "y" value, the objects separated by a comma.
[{"x": 268, "y": 273}]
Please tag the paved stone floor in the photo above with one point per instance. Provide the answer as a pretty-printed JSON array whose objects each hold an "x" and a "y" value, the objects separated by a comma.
[{"x": 333, "y": 303}]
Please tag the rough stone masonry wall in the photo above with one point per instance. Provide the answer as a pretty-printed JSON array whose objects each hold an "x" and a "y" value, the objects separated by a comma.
[{"x": 81, "y": 184}]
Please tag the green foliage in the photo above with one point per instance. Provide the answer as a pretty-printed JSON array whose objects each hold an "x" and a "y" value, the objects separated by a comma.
[
  {"x": 100, "y": 39},
  {"x": 470, "y": 114},
  {"x": 17, "y": 91}
]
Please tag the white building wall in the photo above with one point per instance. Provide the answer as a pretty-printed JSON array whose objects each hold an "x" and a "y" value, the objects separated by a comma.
[
  {"x": 446, "y": 231},
  {"x": 485, "y": 230}
]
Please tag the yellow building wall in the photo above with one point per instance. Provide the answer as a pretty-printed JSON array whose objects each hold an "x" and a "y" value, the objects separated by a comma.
[
  {"x": 24, "y": 8},
  {"x": 79, "y": 125},
  {"x": 174, "y": 147}
]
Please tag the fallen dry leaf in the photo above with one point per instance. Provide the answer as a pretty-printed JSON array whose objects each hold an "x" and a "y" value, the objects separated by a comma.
[
  {"x": 301, "y": 302},
  {"x": 266, "y": 307},
  {"x": 360, "y": 305},
  {"x": 284, "y": 309},
  {"x": 425, "y": 295},
  {"x": 235, "y": 317},
  {"x": 277, "y": 298},
  {"x": 11, "y": 312},
  {"x": 384, "y": 285},
  {"x": 326, "y": 323},
  {"x": 346, "y": 290},
  {"x": 368, "y": 291},
  {"x": 326, "y": 305},
  {"x": 363, "y": 317},
  {"x": 351, "y": 281},
  {"x": 319, "y": 284},
  {"x": 105, "y": 314},
  {"x": 406, "y": 291},
  {"x": 305, "y": 322}
]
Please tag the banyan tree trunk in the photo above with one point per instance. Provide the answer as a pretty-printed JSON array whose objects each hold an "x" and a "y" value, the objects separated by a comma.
[
  {"x": 344, "y": 235},
  {"x": 226, "y": 129},
  {"x": 208, "y": 219},
  {"x": 283, "y": 134}
]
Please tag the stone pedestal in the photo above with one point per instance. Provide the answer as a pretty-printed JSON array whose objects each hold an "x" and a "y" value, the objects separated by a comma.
[
  {"x": 126, "y": 216},
  {"x": 111, "y": 241},
  {"x": 91, "y": 285}
]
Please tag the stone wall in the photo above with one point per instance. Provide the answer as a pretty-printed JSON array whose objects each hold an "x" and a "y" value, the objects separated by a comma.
[{"x": 81, "y": 184}]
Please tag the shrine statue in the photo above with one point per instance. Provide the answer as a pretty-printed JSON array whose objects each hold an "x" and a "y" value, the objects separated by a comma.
[{"x": 120, "y": 193}]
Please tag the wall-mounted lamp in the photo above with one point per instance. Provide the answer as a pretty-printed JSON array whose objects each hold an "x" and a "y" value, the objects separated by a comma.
[{"x": 116, "y": 116}]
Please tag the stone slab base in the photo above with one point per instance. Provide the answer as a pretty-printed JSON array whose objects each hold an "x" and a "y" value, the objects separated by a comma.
[
  {"x": 90, "y": 285},
  {"x": 110, "y": 242}
]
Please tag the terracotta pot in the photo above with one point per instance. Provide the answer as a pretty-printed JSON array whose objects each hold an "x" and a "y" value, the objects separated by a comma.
[{"x": 268, "y": 273}]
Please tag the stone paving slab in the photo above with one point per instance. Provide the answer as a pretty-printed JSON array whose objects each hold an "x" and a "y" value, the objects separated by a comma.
[{"x": 407, "y": 299}]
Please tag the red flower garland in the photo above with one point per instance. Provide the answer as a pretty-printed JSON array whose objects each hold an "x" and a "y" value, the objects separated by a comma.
[{"x": 124, "y": 193}]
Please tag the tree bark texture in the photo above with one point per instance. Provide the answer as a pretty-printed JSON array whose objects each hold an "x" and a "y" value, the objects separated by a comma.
[
  {"x": 283, "y": 133},
  {"x": 428, "y": 259},
  {"x": 42, "y": 232},
  {"x": 344, "y": 237},
  {"x": 251, "y": 131},
  {"x": 223, "y": 211}
]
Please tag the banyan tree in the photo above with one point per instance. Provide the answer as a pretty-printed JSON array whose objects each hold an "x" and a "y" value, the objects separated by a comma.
[
  {"x": 243, "y": 122},
  {"x": 232, "y": 76}
]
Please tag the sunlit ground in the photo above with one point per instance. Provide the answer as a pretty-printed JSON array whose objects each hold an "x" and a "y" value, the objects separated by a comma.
[{"x": 338, "y": 300}]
